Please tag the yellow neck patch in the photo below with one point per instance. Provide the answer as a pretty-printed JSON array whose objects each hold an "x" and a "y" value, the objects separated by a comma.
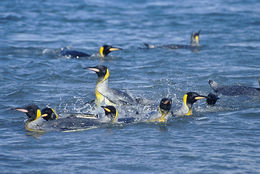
[
  {"x": 197, "y": 39},
  {"x": 99, "y": 96},
  {"x": 101, "y": 52},
  {"x": 161, "y": 119},
  {"x": 55, "y": 113},
  {"x": 185, "y": 100},
  {"x": 38, "y": 115},
  {"x": 189, "y": 113},
  {"x": 115, "y": 117},
  {"x": 107, "y": 75},
  {"x": 160, "y": 110},
  {"x": 185, "y": 103}
]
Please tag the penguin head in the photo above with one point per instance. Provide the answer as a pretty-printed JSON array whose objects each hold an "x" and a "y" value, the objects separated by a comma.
[
  {"x": 211, "y": 99},
  {"x": 32, "y": 111},
  {"x": 106, "y": 49},
  {"x": 214, "y": 85},
  {"x": 101, "y": 70},
  {"x": 190, "y": 98},
  {"x": 195, "y": 38},
  {"x": 165, "y": 106},
  {"x": 49, "y": 114},
  {"x": 110, "y": 112}
]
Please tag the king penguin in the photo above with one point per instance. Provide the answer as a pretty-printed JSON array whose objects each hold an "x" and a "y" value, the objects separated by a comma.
[
  {"x": 47, "y": 119},
  {"x": 103, "y": 52},
  {"x": 35, "y": 118},
  {"x": 194, "y": 43},
  {"x": 234, "y": 90},
  {"x": 164, "y": 110},
  {"x": 188, "y": 100},
  {"x": 106, "y": 95},
  {"x": 111, "y": 113}
]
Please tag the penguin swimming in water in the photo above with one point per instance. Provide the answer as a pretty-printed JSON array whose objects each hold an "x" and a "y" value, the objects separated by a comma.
[
  {"x": 80, "y": 121},
  {"x": 186, "y": 109},
  {"x": 164, "y": 110},
  {"x": 194, "y": 43},
  {"x": 188, "y": 100},
  {"x": 50, "y": 114},
  {"x": 234, "y": 90},
  {"x": 47, "y": 119},
  {"x": 103, "y": 52},
  {"x": 162, "y": 116},
  {"x": 112, "y": 114},
  {"x": 106, "y": 95},
  {"x": 35, "y": 118}
]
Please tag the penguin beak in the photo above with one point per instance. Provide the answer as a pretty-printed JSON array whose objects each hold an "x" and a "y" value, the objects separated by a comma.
[
  {"x": 44, "y": 115},
  {"x": 94, "y": 69},
  {"x": 167, "y": 102},
  {"x": 200, "y": 97},
  {"x": 106, "y": 109},
  {"x": 21, "y": 110},
  {"x": 114, "y": 49}
]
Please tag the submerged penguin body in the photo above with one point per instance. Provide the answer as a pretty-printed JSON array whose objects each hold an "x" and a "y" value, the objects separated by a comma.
[
  {"x": 194, "y": 43},
  {"x": 234, "y": 90}
]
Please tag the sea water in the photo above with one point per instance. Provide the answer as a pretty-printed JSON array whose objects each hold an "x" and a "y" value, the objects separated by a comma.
[{"x": 219, "y": 139}]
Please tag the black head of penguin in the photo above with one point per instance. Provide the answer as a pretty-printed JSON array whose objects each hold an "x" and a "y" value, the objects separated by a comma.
[
  {"x": 49, "y": 114},
  {"x": 101, "y": 70},
  {"x": 32, "y": 111},
  {"x": 195, "y": 38},
  {"x": 165, "y": 105},
  {"x": 111, "y": 112},
  {"x": 106, "y": 49},
  {"x": 192, "y": 97}
]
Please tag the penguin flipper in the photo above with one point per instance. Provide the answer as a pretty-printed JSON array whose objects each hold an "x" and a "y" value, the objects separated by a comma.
[{"x": 118, "y": 97}]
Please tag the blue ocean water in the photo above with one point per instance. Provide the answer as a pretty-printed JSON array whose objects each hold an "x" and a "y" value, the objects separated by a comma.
[{"x": 219, "y": 139}]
